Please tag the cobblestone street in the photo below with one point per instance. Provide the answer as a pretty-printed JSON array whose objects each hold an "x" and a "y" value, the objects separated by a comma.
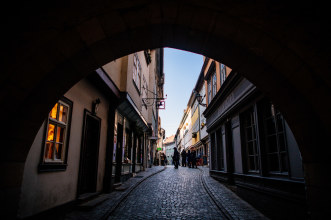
[{"x": 179, "y": 194}]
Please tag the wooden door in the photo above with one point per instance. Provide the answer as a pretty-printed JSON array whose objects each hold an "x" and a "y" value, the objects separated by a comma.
[{"x": 89, "y": 154}]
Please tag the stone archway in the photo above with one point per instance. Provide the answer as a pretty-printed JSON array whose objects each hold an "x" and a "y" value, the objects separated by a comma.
[{"x": 281, "y": 48}]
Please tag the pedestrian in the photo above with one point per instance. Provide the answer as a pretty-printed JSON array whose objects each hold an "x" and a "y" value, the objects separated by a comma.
[
  {"x": 175, "y": 157},
  {"x": 162, "y": 159},
  {"x": 183, "y": 158},
  {"x": 188, "y": 155},
  {"x": 165, "y": 160},
  {"x": 193, "y": 159}
]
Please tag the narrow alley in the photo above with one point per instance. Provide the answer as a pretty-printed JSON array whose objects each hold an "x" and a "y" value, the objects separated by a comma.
[
  {"x": 102, "y": 100},
  {"x": 168, "y": 193}
]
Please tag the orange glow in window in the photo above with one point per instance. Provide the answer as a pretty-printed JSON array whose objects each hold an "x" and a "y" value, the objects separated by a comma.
[
  {"x": 53, "y": 112},
  {"x": 61, "y": 113},
  {"x": 50, "y": 135}
]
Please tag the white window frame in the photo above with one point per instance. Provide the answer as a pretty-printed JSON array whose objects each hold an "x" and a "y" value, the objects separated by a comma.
[
  {"x": 56, "y": 164},
  {"x": 137, "y": 71}
]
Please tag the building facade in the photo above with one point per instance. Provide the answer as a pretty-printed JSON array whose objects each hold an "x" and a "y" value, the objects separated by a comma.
[
  {"x": 252, "y": 147},
  {"x": 98, "y": 134},
  {"x": 169, "y": 144}
]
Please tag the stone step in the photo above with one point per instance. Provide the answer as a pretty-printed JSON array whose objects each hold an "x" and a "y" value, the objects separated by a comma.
[
  {"x": 121, "y": 188},
  {"x": 86, "y": 196},
  {"x": 93, "y": 202}
]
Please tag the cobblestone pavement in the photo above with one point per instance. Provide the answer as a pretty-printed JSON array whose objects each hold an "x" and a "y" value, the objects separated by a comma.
[
  {"x": 102, "y": 210},
  {"x": 181, "y": 194},
  {"x": 171, "y": 194},
  {"x": 231, "y": 204}
]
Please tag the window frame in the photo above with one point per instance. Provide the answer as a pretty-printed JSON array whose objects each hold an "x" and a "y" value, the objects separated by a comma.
[
  {"x": 222, "y": 73},
  {"x": 213, "y": 153},
  {"x": 219, "y": 148},
  {"x": 136, "y": 75},
  {"x": 145, "y": 91},
  {"x": 214, "y": 84},
  {"x": 256, "y": 148},
  {"x": 59, "y": 165},
  {"x": 264, "y": 105},
  {"x": 209, "y": 89}
]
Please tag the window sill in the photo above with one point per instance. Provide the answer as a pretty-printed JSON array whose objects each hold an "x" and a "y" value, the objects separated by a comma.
[{"x": 52, "y": 167}]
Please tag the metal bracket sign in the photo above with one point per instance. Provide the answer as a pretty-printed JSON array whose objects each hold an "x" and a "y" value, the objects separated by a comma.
[{"x": 160, "y": 104}]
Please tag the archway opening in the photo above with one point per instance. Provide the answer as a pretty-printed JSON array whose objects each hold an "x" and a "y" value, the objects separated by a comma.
[{"x": 251, "y": 43}]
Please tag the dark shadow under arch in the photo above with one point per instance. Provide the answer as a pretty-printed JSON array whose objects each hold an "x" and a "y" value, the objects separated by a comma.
[{"x": 271, "y": 45}]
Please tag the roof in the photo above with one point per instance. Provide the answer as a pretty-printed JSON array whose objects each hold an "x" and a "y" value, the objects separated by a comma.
[{"x": 169, "y": 140}]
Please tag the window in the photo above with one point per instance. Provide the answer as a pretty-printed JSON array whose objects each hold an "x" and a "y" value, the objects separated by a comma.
[
  {"x": 223, "y": 73},
  {"x": 214, "y": 84},
  {"x": 145, "y": 90},
  {"x": 55, "y": 146},
  {"x": 250, "y": 140},
  {"x": 195, "y": 105},
  {"x": 209, "y": 91},
  {"x": 136, "y": 72},
  {"x": 275, "y": 140},
  {"x": 148, "y": 57},
  {"x": 213, "y": 155}
]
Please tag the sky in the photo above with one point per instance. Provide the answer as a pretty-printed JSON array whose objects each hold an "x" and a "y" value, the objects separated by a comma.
[{"x": 181, "y": 71}]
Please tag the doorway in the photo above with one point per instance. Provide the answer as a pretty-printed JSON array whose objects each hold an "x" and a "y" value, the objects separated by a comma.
[
  {"x": 89, "y": 154},
  {"x": 119, "y": 153}
]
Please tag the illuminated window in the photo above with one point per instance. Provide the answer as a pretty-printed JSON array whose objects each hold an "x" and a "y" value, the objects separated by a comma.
[{"x": 56, "y": 137}]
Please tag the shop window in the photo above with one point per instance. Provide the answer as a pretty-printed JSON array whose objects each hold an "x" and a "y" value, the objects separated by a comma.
[
  {"x": 275, "y": 140},
  {"x": 250, "y": 140},
  {"x": 213, "y": 151},
  {"x": 220, "y": 154},
  {"x": 55, "y": 145}
]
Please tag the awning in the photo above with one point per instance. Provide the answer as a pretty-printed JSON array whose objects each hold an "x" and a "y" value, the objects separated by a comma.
[{"x": 128, "y": 109}]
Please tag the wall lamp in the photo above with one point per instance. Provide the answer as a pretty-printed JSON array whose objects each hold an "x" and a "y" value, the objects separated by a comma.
[
  {"x": 200, "y": 98},
  {"x": 95, "y": 106}
]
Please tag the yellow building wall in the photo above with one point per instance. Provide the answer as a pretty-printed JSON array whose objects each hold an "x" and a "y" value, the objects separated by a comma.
[{"x": 194, "y": 118}]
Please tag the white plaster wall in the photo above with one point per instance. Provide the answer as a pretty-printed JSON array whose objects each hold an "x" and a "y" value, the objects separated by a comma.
[
  {"x": 113, "y": 69},
  {"x": 42, "y": 191}
]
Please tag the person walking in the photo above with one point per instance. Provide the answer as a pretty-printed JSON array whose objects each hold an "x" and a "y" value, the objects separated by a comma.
[
  {"x": 183, "y": 158},
  {"x": 162, "y": 159},
  {"x": 188, "y": 155},
  {"x": 165, "y": 160},
  {"x": 175, "y": 157},
  {"x": 193, "y": 159}
]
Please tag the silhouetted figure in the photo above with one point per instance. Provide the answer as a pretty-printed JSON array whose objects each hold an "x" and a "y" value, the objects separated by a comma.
[
  {"x": 175, "y": 157},
  {"x": 193, "y": 159},
  {"x": 188, "y": 155},
  {"x": 165, "y": 160},
  {"x": 183, "y": 158},
  {"x": 162, "y": 159}
]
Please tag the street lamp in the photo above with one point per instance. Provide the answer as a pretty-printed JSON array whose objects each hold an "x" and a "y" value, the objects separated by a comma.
[{"x": 200, "y": 98}]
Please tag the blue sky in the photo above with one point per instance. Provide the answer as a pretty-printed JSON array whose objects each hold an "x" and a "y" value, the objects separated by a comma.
[{"x": 181, "y": 70}]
